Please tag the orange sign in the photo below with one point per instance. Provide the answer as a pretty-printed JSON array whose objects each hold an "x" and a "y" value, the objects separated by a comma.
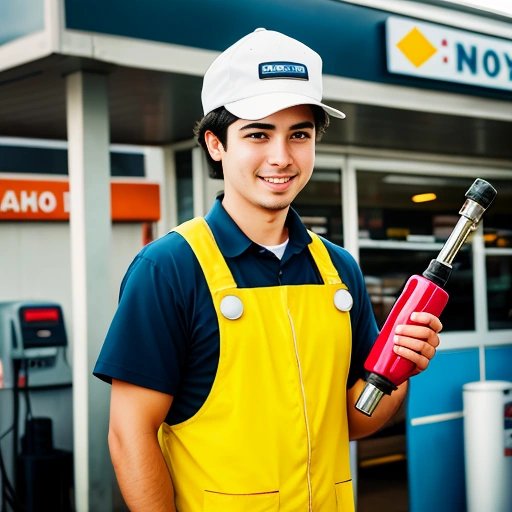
[{"x": 22, "y": 199}]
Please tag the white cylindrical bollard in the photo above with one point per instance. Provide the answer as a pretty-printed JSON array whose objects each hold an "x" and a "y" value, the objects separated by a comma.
[{"x": 488, "y": 445}]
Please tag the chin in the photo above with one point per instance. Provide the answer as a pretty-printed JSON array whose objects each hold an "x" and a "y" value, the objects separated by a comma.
[{"x": 276, "y": 205}]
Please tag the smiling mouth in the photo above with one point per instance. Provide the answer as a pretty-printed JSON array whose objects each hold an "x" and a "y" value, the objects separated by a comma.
[{"x": 277, "y": 180}]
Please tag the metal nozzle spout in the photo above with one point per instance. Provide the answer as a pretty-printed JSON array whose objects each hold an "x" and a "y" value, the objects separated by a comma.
[
  {"x": 478, "y": 198},
  {"x": 376, "y": 386},
  {"x": 369, "y": 399}
]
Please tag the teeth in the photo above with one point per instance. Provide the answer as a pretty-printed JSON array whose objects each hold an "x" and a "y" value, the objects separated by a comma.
[{"x": 277, "y": 180}]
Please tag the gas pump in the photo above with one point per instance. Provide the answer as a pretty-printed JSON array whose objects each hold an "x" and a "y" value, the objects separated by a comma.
[{"x": 35, "y": 408}]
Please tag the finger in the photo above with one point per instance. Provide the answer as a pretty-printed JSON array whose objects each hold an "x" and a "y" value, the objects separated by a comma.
[
  {"x": 418, "y": 359},
  {"x": 419, "y": 332},
  {"x": 418, "y": 346},
  {"x": 428, "y": 320}
]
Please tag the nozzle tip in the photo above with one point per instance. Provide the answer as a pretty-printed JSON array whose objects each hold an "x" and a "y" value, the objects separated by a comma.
[
  {"x": 369, "y": 399},
  {"x": 482, "y": 193}
]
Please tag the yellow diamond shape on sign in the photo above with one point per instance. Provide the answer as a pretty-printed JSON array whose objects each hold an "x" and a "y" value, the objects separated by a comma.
[{"x": 416, "y": 47}]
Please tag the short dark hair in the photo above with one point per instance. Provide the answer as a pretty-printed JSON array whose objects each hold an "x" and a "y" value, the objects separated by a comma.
[{"x": 218, "y": 121}]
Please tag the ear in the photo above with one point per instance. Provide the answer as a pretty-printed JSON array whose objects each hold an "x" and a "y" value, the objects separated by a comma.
[{"x": 214, "y": 145}]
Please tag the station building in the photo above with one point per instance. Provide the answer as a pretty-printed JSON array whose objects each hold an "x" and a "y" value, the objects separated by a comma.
[{"x": 97, "y": 105}]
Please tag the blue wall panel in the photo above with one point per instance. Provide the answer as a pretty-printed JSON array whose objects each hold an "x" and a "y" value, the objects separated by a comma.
[
  {"x": 436, "y": 467},
  {"x": 498, "y": 363},
  {"x": 435, "y": 451},
  {"x": 439, "y": 389}
]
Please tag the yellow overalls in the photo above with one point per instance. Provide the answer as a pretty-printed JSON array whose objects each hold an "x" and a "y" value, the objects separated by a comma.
[{"x": 272, "y": 434}]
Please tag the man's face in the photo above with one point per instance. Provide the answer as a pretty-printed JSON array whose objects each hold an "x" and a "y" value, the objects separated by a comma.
[{"x": 268, "y": 161}]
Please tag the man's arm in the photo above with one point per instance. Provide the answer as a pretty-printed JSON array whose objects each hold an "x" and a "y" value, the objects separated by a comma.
[
  {"x": 417, "y": 343},
  {"x": 136, "y": 414}
]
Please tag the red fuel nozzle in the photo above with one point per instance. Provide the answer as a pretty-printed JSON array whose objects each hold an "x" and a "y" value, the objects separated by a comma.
[{"x": 421, "y": 293}]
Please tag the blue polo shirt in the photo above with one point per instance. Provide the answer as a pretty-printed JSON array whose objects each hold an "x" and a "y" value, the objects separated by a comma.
[{"x": 165, "y": 334}]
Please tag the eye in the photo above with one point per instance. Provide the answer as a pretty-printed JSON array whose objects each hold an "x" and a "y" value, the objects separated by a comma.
[
  {"x": 256, "y": 135},
  {"x": 301, "y": 135}
]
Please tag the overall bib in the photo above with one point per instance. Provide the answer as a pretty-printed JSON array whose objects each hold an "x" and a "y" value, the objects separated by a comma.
[{"x": 272, "y": 435}]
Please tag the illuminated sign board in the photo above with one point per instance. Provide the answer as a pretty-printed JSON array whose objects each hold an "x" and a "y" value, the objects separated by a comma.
[
  {"x": 48, "y": 200},
  {"x": 427, "y": 50}
]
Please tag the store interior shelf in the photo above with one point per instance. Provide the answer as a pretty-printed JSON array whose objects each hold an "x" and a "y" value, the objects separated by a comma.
[
  {"x": 366, "y": 243},
  {"x": 498, "y": 251}
]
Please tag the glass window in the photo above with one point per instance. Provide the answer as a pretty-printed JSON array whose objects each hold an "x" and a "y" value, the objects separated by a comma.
[
  {"x": 408, "y": 207},
  {"x": 497, "y": 221},
  {"x": 20, "y": 19},
  {"x": 52, "y": 160},
  {"x": 319, "y": 204},
  {"x": 497, "y": 224},
  {"x": 403, "y": 223},
  {"x": 387, "y": 270},
  {"x": 499, "y": 291},
  {"x": 184, "y": 190}
]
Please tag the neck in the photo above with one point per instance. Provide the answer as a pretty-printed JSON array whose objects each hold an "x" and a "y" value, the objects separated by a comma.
[{"x": 262, "y": 226}]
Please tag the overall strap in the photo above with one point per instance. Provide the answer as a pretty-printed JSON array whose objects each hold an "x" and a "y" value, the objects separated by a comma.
[
  {"x": 200, "y": 238},
  {"x": 323, "y": 260}
]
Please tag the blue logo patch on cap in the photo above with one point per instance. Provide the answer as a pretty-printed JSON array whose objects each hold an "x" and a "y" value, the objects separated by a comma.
[{"x": 293, "y": 70}]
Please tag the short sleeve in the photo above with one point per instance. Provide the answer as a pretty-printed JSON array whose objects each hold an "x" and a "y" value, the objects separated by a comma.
[{"x": 146, "y": 342}]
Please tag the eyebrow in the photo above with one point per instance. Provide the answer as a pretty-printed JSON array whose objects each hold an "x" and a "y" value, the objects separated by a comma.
[{"x": 265, "y": 126}]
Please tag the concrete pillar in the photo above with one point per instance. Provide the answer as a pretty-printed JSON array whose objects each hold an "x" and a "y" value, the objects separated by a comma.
[
  {"x": 199, "y": 179},
  {"x": 90, "y": 223},
  {"x": 160, "y": 167}
]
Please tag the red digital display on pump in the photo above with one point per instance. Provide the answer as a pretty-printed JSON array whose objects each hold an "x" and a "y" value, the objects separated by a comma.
[{"x": 34, "y": 315}]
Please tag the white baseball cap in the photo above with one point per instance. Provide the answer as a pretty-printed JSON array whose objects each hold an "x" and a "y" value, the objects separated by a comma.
[{"x": 262, "y": 73}]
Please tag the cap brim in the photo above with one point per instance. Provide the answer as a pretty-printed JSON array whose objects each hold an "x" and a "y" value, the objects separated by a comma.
[{"x": 258, "y": 107}]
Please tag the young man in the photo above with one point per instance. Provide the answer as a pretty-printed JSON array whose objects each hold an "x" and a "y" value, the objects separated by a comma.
[{"x": 236, "y": 353}]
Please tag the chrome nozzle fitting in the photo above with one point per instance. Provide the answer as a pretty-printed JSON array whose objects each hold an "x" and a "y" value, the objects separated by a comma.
[{"x": 369, "y": 399}]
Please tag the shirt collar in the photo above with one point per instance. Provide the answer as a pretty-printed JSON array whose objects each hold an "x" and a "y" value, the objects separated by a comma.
[
  {"x": 298, "y": 235},
  {"x": 232, "y": 241}
]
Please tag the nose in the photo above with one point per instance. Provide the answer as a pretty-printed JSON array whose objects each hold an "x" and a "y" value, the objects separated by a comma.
[{"x": 279, "y": 153}]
